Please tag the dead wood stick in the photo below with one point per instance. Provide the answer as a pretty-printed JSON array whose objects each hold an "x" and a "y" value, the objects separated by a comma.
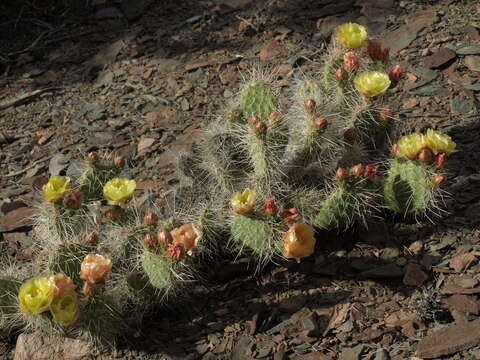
[{"x": 23, "y": 99}]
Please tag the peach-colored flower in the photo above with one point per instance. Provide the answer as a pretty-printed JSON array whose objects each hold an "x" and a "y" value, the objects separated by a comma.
[
  {"x": 63, "y": 284},
  {"x": 95, "y": 268},
  {"x": 350, "y": 61},
  {"x": 299, "y": 241},
  {"x": 187, "y": 235}
]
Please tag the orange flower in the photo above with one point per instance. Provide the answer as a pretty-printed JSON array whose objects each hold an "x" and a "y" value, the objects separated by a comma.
[
  {"x": 63, "y": 284},
  {"x": 187, "y": 235},
  {"x": 94, "y": 268},
  {"x": 299, "y": 241}
]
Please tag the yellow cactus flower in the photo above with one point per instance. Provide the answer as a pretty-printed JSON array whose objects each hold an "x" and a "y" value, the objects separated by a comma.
[
  {"x": 65, "y": 309},
  {"x": 187, "y": 235},
  {"x": 409, "y": 146},
  {"x": 372, "y": 83},
  {"x": 299, "y": 241},
  {"x": 242, "y": 203},
  {"x": 36, "y": 295},
  {"x": 352, "y": 35},
  {"x": 56, "y": 188},
  {"x": 118, "y": 191},
  {"x": 94, "y": 268},
  {"x": 439, "y": 142}
]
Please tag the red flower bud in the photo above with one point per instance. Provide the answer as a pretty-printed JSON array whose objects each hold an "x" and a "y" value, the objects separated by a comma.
[
  {"x": 350, "y": 61},
  {"x": 350, "y": 135},
  {"x": 254, "y": 120},
  {"x": 371, "y": 172},
  {"x": 149, "y": 240},
  {"x": 150, "y": 219},
  {"x": 440, "y": 160},
  {"x": 357, "y": 170},
  {"x": 271, "y": 206},
  {"x": 395, "y": 73},
  {"x": 321, "y": 123},
  {"x": 310, "y": 105},
  {"x": 119, "y": 161},
  {"x": 164, "y": 237},
  {"x": 261, "y": 127},
  {"x": 290, "y": 215},
  {"x": 176, "y": 251},
  {"x": 425, "y": 155},
  {"x": 438, "y": 179},
  {"x": 386, "y": 114},
  {"x": 341, "y": 174},
  {"x": 74, "y": 199},
  {"x": 341, "y": 74},
  {"x": 376, "y": 53},
  {"x": 273, "y": 117}
]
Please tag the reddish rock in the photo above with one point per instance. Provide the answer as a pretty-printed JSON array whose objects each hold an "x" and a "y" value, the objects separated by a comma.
[
  {"x": 270, "y": 51},
  {"x": 462, "y": 303},
  {"x": 17, "y": 219},
  {"x": 439, "y": 58},
  {"x": 414, "y": 275},
  {"x": 449, "y": 340}
]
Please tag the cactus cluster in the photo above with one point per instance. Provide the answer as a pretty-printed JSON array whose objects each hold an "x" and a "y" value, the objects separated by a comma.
[{"x": 266, "y": 174}]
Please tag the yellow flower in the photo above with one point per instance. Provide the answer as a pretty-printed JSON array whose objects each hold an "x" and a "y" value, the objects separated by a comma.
[
  {"x": 351, "y": 35},
  {"x": 94, "y": 268},
  {"x": 56, "y": 188},
  {"x": 118, "y": 191},
  {"x": 299, "y": 241},
  {"x": 36, "y": 295},
  {"x": 372, "y": 83},
  {"x": 409, "y": 146},
  {"x": 65, "y": 309},
  {"x": 187, "y": 235},
  {"x": 439, "y": 142},
  {"x": 242, "y": 203}
]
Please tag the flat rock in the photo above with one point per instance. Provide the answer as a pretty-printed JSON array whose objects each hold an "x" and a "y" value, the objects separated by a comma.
[
  {"x": 449, "y": 340},
  {"x": 388, "y": 271},
  {"x": 462, "y": 303},
  {"x": 439, "y": 58},
  {"x": 414, "y": 275},
  {"x": 17, "y": 219},
  {"x": 468, "y": 50},
  {"x": 37, "y": 346},
  {"x": 352, "y": 353},
  {"x": 270, "y": 51},
  {"x": 473, "y": 62}
]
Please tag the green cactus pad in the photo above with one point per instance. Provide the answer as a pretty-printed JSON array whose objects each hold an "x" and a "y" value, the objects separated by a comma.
[
  {"x": 254, "y": 235},
  {"x": 408, "y": 188},
  {"x": 258, "y": 155},
  {"x": 158, "y": 270},
  {"x": 258, "y": 99},
  {"x": 67, "y": 260}
]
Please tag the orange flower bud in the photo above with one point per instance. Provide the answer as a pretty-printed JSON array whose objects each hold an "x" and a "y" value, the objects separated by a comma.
[
  {"x": 357, "y": 170},
  {"x": 119, "y": 161},
  {"x": 176, "y": 251},
  {"x": 91, "y": 238},
  {"x": 150, "y": 219},
  {"x": 273, "y": 117},
  {"x": 310, "y": 105},
  {"x": 271, "y": 206},
  {"x": 395, "y": 73},
  {"x": 376, "y": 53},
  {"x": 440, "y": 160},
  {"x": 438, "y": 179},
  {"x": 164, "y": 237},
  {"x": 149, "y": 240},
  {"x": 341, "y": 74},
  {"x": 321, "y": 123},
  {"x": 341, "y": 174},
  {"x": 350, "y": 61},
  {"x": 254, "y": 120},
  {"x": 92, "y": 157},
  {"x": 425, "y": 155},
  {"x": 74, "y": 199},
  {"x": 261, "y": 127},
  {"x": 371, "y": 172}
]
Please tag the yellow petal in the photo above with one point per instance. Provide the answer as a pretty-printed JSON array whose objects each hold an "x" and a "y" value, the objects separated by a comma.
[
  {"x": 56, "y": 188},
  {"x": 36, "y": 295},
  {"x": 118, "y": 191},
  {"x": 372, "y": 83},
  {"x": 243, "y": 203},
  {"x": 65, "y": 309},
  {"x": 409, "y": 146},
  {"x": 352, "y": 35},
  {"x": 439, "y": 142}
]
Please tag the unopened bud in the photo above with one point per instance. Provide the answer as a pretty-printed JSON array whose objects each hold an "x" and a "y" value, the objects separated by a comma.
[
  {"x": 425, "y": 155},
  {"x": 92, "y": 157},
  {"x": 290, "y": 215},
  {"x": 440, "y": 160},
  {"x": 371, "y": 172},
  {"x": 119, "y": 161},
  {"x": 164, "y": 237},
  {"x": 112, "y": 213},
  {"x": 438, "y": 179},
  {"x": 271, "y": 206},
  {"x": 150, "y": 219},
  {"x": 350, "y": 135},
  {"x": 395, "y": 73},
  {"x": 74, "y": 199},
  {"x": 341, "y": 174},
  {"x": 386, "y": 114},
  {"x": 273, "y": 117},
  {"x": 88, "y": 289},
  {"x": 261, "y": 127},
  {"x": 310, "y": 105},
  {"x": 341, "y": 74},
  {"x": 350, "y": 61},
  {"x": 254, "y": 120},
  {"x": 321, "y": 123},
  {"x": 149, "y": 240},
  {"x": 176, "y": 251},
  {"x": 91, "y": 238},
  {"x": 357, "y": 170},
  {"x": 394, "y": 149}
]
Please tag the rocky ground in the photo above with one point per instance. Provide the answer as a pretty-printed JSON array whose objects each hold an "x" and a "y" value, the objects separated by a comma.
[{"x": 140, "y": 78}]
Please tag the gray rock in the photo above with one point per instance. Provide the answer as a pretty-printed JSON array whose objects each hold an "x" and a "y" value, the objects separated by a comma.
[
  {"x": 468, "y": 50},
  {"x": 461, "y": 106},
  {"x": 352, "y": 353},
  {"x": 382, "y": 354},
  {"x": 430, "y": 90},
  {"x": 473, "y": 62}
]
